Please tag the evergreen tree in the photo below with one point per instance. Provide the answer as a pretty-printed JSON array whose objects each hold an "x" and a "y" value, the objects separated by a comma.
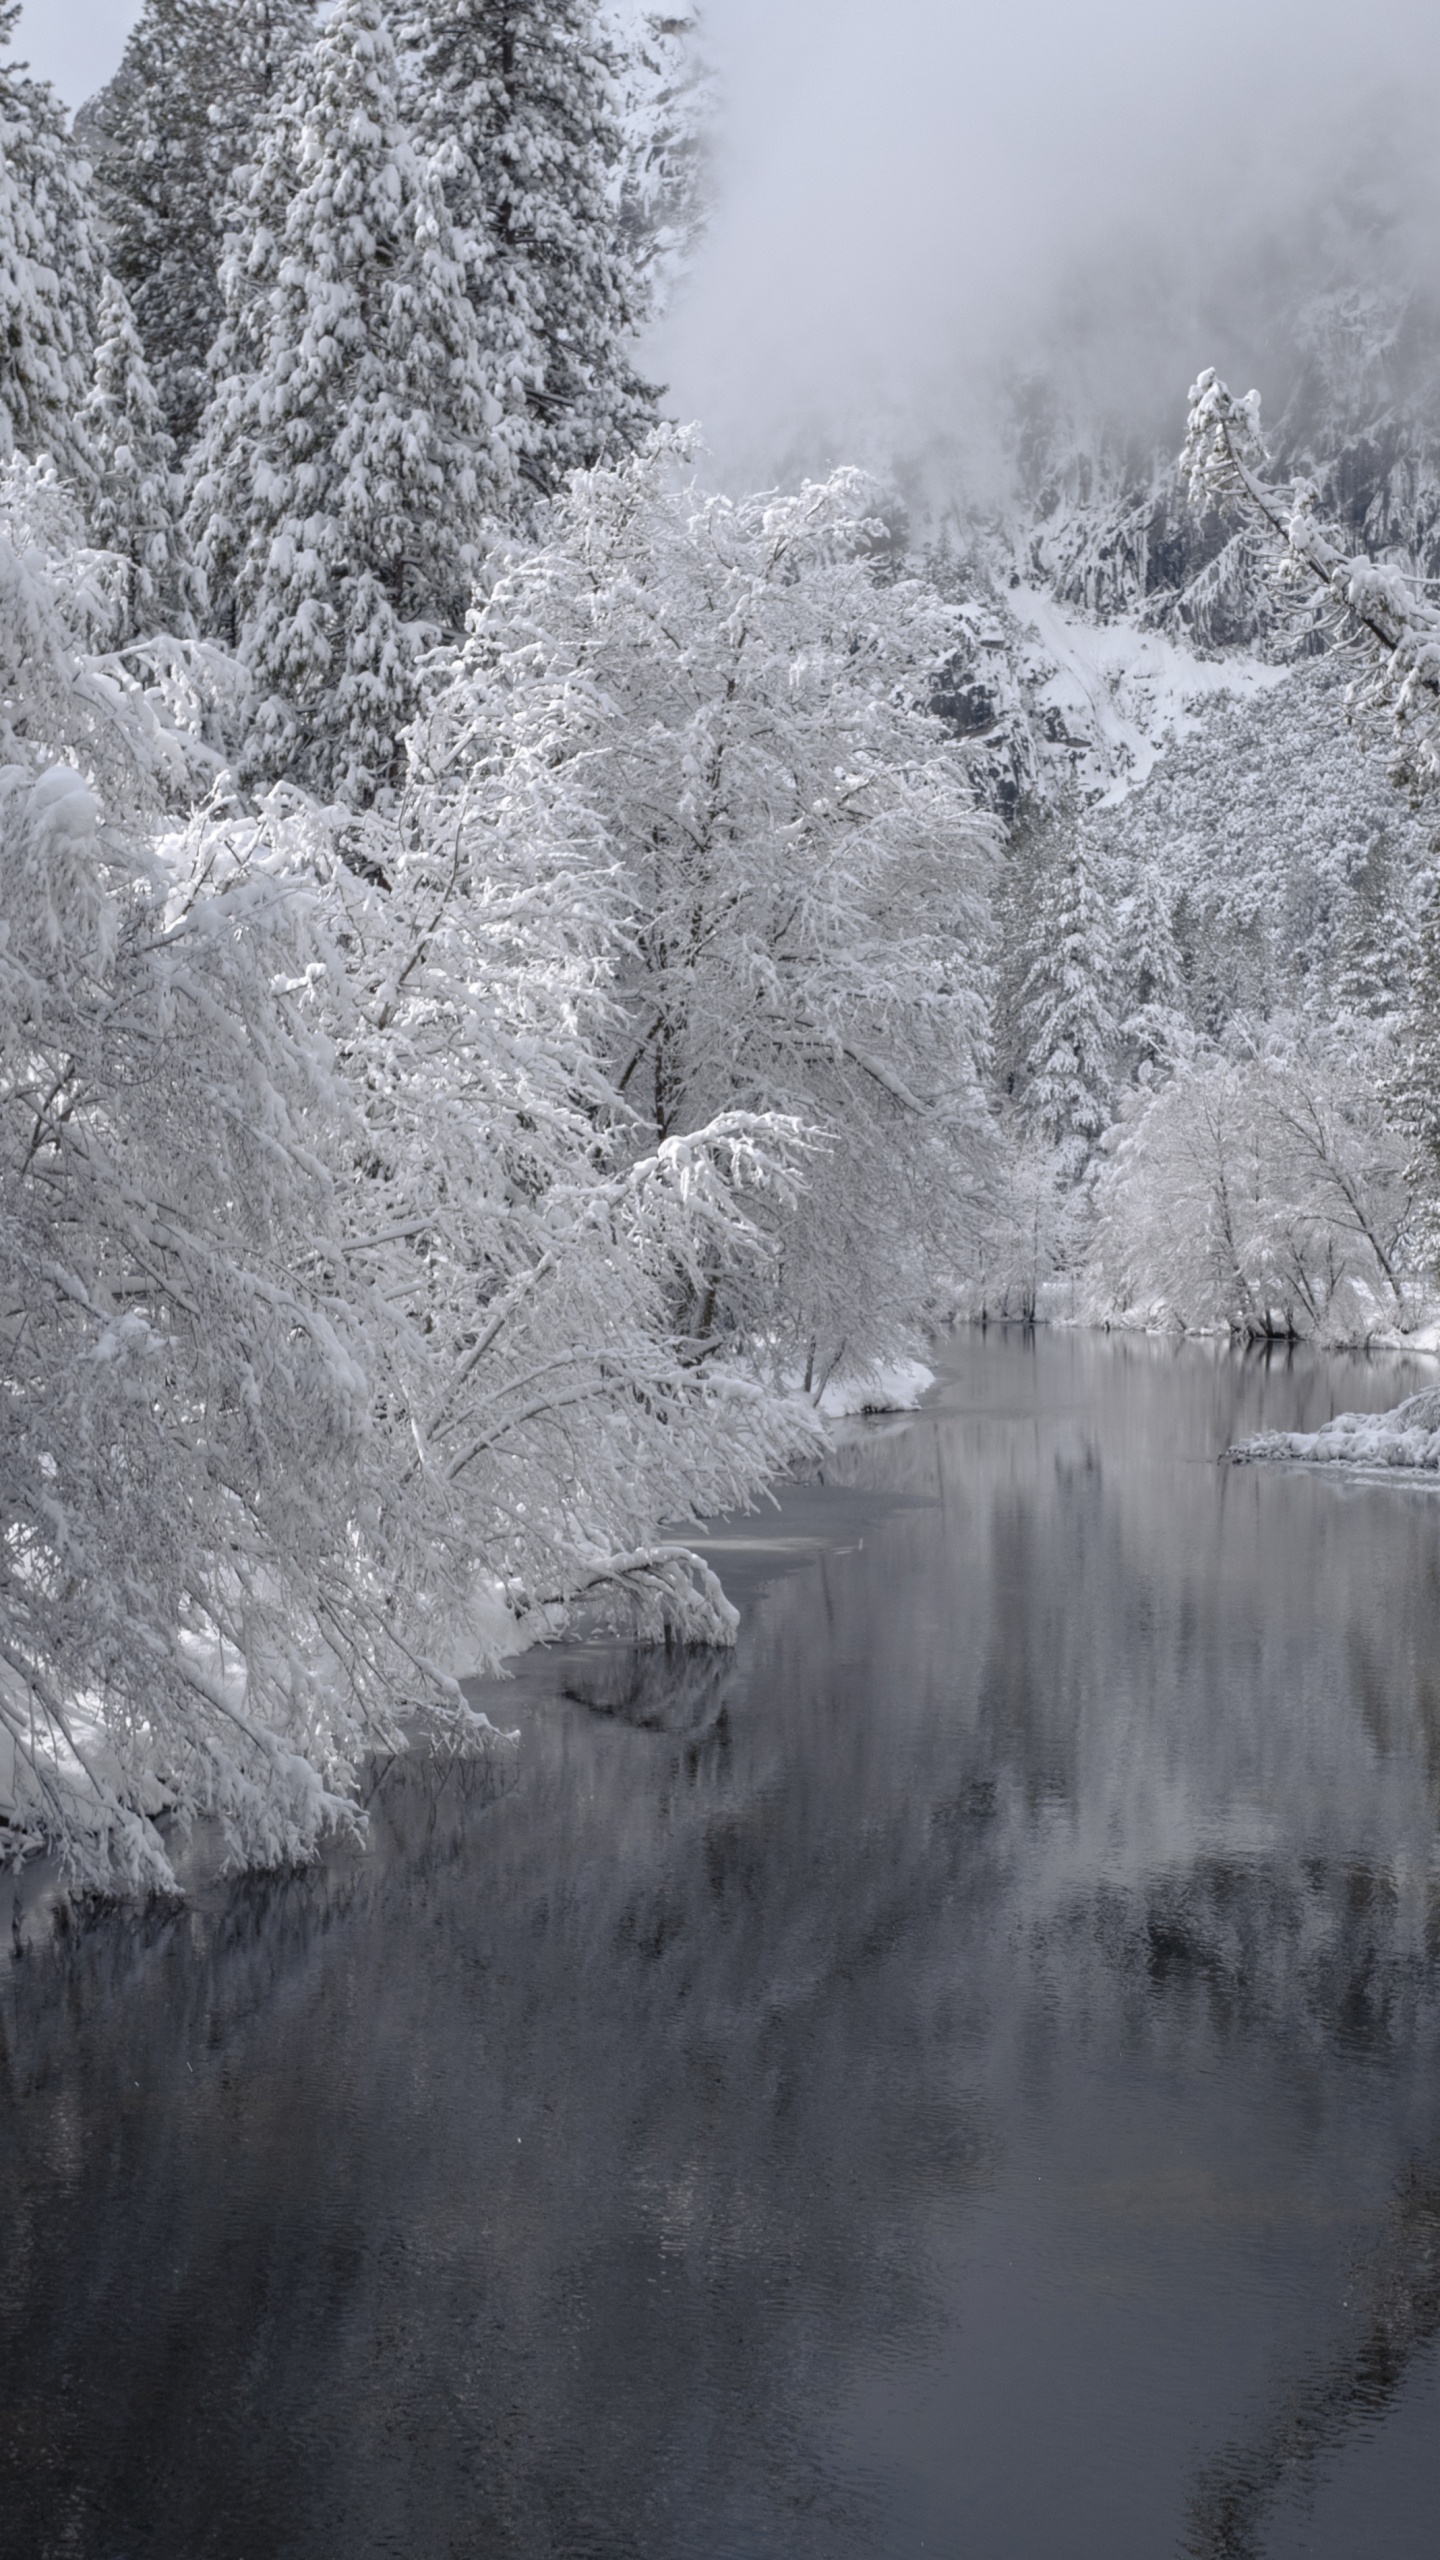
[
  {"x": 1155, "y": 1013},
  {"x": 1414, "y": 1095},
  {"x": 670, "y": 104},
  {"x": 1066, "y": 1003},
  {"x": 168, "y": 135},
  {"x": 49, "y": 271},
  {"x": 134, "y": 509},
  {"x": 1376, "y": 939},
  {"x": 345, "y": 464},
  {"x": 518, "y": 99}
]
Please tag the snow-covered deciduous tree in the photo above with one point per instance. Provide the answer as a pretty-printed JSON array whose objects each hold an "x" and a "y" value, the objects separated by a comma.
[
  {"x": 168, "y": 135},
  {"x": 519, "y": 101},
  {"x": 331, "y": 1341},
  {"x": 543, "y": 1402},
  {"x": 155, "y": 1183},
  {"x": 49, "y": 272},
  {"x": 1029, "y": 1234},
  {"x": 346, "y": 463},
  {"x": 720, "y": 706},
  {"x": 337, "y": 1325},
  {"x": 1261, "y": 1193},
  {"x": 144, "y": 721},
  {"x": 182, "y": 1406},
  {"x": 134, "y": 505}
]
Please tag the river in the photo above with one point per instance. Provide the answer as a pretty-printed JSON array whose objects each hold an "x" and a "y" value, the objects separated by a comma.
[{"x": 959, "y": 2076}]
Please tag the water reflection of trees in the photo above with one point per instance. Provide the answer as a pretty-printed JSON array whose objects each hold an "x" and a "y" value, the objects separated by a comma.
[
  {"x": 1391, "y": 2315},
  {"x": 551, "y": 2171}
]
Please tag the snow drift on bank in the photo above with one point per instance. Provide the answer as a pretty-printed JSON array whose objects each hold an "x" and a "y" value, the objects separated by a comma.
[{"x": 1407, "y": 1436}]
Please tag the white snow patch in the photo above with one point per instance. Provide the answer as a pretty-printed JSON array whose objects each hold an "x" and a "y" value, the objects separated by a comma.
[
  {"x": 892, "y": 1386},
  {"x": 1123, "y": 694},
  {"x": 1407, "y": 1436}
]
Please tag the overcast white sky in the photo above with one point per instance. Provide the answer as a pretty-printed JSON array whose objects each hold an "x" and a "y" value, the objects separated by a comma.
[
  {"x": 910, "y": 184},
  {"x": 75, "y": 43},
  {"x": 914, "y": 184}
]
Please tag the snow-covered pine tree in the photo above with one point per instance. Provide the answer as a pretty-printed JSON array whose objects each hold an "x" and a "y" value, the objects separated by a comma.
[
  {"x": 346, "y": 464},
  {"x": 1414, "y": 1094},
  {"x": 134, "y": 509},
  {"x": 519, "y": 99},
  {"x": 1377, "y": 935},
  {"x": 1067, "y": 1002},
  {"x": 168, "y": 135},
  {"x": 49, "y": 271},
  {"x": 669, "y": 105},
  {"x": 1155, "y": 1018}
]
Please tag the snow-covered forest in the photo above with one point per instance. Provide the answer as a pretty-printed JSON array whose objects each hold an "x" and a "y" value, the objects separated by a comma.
[{"x": 529, "y": 980}]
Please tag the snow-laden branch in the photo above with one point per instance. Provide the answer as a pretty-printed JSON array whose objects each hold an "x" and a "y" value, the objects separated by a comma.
[{"x": 1223, "y": 462}]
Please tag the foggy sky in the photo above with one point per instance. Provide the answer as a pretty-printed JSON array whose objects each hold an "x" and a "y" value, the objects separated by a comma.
[
  {"x": 75, "y": 43},
  {"x": 913, "y": 190}
]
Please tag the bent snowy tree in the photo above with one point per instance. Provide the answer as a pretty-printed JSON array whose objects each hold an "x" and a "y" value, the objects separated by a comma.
[
  {"x": 1223, "y": 462},
  {"x": 336, "y": 1330}
]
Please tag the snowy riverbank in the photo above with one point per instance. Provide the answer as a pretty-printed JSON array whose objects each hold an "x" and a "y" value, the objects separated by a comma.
[{"x": 1407, "y": 1436}]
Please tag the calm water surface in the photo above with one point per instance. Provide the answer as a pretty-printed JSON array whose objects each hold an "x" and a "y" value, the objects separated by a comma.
[{"x": 961, "y": 2076}]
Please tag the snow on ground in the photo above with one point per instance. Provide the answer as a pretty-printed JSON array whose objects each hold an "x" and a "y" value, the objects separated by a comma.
[
  {"x": 894, "y": 1386},
  {"x": 1120, "y": 692},
  {"x": 1407, "y": 1436}
]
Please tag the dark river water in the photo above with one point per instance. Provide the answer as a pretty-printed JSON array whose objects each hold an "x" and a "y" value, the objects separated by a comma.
[{"x": 959, "y": 2076}]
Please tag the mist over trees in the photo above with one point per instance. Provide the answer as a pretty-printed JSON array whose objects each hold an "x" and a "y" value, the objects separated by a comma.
[{"x": 524, "y": 979}]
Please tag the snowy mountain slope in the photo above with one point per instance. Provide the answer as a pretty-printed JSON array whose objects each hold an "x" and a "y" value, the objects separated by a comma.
[{"x": 1113, "y": 694}]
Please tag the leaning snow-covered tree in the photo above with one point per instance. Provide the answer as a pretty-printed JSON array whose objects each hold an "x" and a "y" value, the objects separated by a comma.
[
  {"x": 336, "y": 1328},
  {"x": 519, "y": 102},
  {"x": 346, "y": 464},
  {"x": 720, "y": 706},
  {"x": 542, "y": 1406},
  {"x": 1376, "y": 602}
]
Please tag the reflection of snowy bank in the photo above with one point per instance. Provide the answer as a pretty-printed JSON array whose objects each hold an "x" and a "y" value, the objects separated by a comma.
[{"x": 1407, "y": 1436}]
